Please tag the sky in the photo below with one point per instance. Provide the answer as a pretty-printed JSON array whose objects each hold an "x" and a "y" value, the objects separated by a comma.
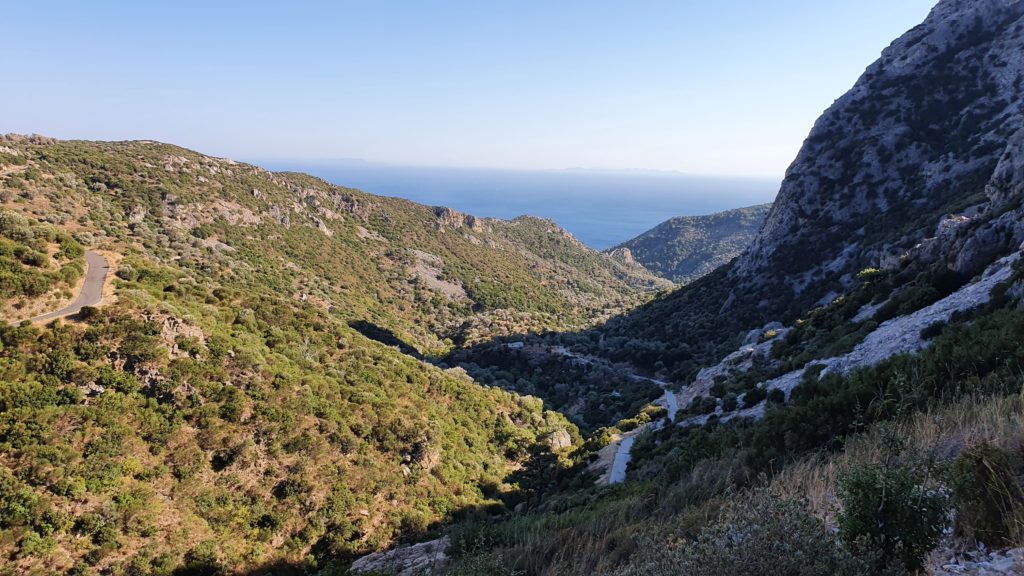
[{"x": 730, "y": 87}]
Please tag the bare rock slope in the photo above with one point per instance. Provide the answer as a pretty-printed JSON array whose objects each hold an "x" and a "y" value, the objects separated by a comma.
[{"x": 925, "y": 132}]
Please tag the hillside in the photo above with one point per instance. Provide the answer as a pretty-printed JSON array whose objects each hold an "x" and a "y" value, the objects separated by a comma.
[
  {"x": 849, "y": 386},
  {"x": 416, "y": 270},
  {"x": 685, "y": 248},
  {"x": 252, "y": 392},
  {"x": 286, "y": 374},
  {"x": 896, "y": 175}
]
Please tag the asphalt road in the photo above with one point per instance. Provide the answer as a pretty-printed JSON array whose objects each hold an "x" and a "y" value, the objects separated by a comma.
[{"x": 97, "y": 269}]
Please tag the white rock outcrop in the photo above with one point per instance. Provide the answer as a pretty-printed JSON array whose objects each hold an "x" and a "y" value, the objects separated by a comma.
[{"x": 421, "y": 559}]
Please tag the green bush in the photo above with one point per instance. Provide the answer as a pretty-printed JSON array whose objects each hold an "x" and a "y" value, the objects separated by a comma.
[
  {"x": 754, "y": 397},
  {"x": 888, "y": 508},
  {"x": 203, "y": 560},
  {"x": 987, "y": 495},
  {"x": 18, "y": 502}
]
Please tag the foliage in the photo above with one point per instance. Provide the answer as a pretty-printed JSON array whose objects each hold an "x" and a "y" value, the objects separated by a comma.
[
  {"x": 764, "y": 536},
  {"x": 988, "y": 495},
  {"x": 685, "y": 248},
  {"x": 228, "y": 401},
  {"x": 890, "y": 507},
  {"x": 27, "y": 271}
]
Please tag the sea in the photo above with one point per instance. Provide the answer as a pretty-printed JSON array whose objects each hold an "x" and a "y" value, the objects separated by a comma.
[{"x": 600, "y": 208}]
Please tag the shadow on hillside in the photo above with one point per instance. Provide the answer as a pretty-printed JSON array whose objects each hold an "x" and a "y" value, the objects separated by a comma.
[
  {"x": 541, "y": 473},
  {"x": 385, "y": 336}
]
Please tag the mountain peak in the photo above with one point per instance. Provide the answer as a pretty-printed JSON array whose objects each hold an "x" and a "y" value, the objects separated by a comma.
[{"x": 920, "y": 135}]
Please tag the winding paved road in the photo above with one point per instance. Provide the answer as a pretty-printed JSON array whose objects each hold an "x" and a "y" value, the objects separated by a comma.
[
  {"x": 91, "y": 294},
  {"x": 617, "y": 472},
  {"x": 623, "y": 454}
]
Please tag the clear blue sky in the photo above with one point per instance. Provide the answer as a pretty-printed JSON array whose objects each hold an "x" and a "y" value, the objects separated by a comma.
[{"x": 725, "y": 87}]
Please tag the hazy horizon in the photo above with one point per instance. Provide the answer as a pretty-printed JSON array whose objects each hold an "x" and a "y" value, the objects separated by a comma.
[{"x": 728, "y": 89}]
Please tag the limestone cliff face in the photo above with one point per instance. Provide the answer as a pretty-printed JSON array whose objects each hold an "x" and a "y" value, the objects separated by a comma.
[
  {"x": 920, "y": 165},
  {"x": 935, "y": 127}
]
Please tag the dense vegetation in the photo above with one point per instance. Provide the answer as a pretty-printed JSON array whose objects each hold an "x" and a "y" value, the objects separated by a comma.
[
  {"x": 259, "y": 395},
  {"x": 420, "y": 272},
  {"x": 591, "y": 392},
  {"x": 859, "y": 440},
  {"x": 35, "y": 260}
]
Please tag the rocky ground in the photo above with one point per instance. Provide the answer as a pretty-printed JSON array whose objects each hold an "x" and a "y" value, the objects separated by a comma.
[{"x": 979, "y": 562}]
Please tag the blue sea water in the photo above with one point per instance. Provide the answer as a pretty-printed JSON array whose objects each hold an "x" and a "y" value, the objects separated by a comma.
[{"x": 600, "y": 208}]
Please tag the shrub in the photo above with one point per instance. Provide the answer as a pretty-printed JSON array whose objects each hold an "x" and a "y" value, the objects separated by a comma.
[
  {"x": 17, "y": 501},
  {"x": 987, "y": 495},
  {"x": 127, "y": 273},
  {"x": 729, "y": 402},
  {"x": 202, "y": 560},
  {"x": 932, "y": 330},
  {"x": 764, "y": 536},
  {"x": 88, "y": 313},
  {"x": 887, "y": 508},
  {"x": 482, "y": 564},
  {"x": 753, "y": 397},
  {"x": 703, "y": 405}
]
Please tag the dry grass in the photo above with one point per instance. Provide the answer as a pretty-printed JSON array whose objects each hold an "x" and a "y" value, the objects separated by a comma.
[{"x": 939, "y": 434}]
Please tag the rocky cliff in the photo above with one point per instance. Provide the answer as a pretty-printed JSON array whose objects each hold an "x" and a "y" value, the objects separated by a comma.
[
  {"x": 916, "y": 171},
  {"x": 932, "y": 128}
]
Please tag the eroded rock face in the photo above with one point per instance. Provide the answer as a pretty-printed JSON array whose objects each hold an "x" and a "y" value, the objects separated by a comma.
[
  {"x": 933, "y": 123},
  {"x": 416, "y": 560},
  {"x": 447, "y": 218},
  {"x": 624, "y": 255},
  {"x": 559, "y": 440}
]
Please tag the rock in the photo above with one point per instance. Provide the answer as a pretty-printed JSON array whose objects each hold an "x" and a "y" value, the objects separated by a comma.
[
  {"x": 322, "y": 227},
  {"x": 448, "y": 218},
  {"x": 979, "y": 562},
  {"x": 559, "y": 440},
  {"x": 173, "y": 330},
  {"x": 623, "y": 254},
  {"x": 417, "y": 560},
  {"x": 475, "y": 224},
  {"x": 137, "y": 215},
  {"x": 868, "y": 156},
  {"x": 92, "y": 389},
  {"x": 281, "y": 217}
]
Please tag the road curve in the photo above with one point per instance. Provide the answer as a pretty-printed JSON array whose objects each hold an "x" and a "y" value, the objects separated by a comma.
[
  {"x": 623, "y": 451},
  {"x": 617, "y": 474},
  {"x": 91, "y": 294}
]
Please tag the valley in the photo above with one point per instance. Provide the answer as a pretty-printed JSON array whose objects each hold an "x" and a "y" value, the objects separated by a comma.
[{"x": 210, "y": 368}]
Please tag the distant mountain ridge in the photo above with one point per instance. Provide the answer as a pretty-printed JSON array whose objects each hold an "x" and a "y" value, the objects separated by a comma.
[{"x": 684, "y": 248}]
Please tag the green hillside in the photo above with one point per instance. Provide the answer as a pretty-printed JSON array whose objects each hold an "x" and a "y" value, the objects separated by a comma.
[
  {"x": 253, "y": 392},
  {"x": 684, "y": 248}
]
